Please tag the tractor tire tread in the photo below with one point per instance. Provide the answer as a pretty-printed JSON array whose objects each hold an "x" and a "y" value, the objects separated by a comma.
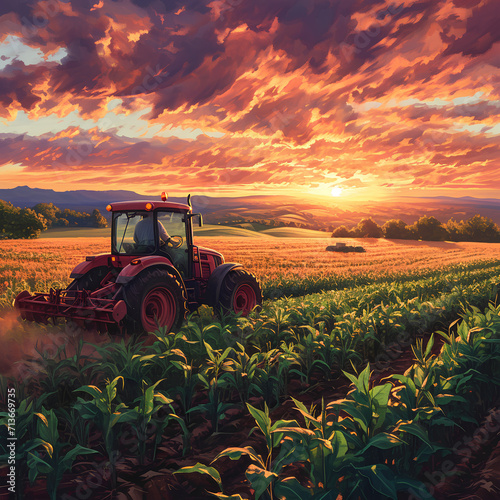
[
  {"x": 134, "y": 293},
  {"x": 231, "y": 280}
]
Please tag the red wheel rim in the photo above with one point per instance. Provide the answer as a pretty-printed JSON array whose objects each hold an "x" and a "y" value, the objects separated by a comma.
[
  {"x": 244, "y": 299},
  {"x": 158, "y": 308}
]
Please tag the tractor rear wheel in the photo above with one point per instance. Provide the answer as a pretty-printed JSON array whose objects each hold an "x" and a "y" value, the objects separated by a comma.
[
  {"x": 240, "y": 292},
  {"x": 155, "y": 299},
  {"x": 91, "y": 280}
]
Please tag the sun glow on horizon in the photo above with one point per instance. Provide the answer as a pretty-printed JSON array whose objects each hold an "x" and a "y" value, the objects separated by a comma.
[{"x": 336, "y": 191}]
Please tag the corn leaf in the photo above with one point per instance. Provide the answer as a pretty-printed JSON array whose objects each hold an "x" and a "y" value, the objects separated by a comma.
[
  {"x": 237, "y": 453},
  {"x": 382, "y": 441},
  {"x": 381, "y": 479},
  {"x": 202, "y": 469},
  {"x": 260, "y": 479}
]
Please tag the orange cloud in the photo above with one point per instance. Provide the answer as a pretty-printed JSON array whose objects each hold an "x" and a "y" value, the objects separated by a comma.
[{"x": 309, "y": 93}]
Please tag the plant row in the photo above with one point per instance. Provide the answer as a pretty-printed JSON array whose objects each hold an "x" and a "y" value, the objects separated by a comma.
[
  {"x": 283, "y": 285},
  {"x": 378, "y": 440},
  {"x": 286, "y": 286},
  {"x": 198, "y": 374}
]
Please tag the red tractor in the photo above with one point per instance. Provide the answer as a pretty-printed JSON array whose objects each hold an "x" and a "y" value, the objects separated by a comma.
[{"x": 153, "y": 276}]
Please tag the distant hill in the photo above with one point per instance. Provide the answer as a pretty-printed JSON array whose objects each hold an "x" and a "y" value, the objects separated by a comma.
[
  {"x": 264, "y": 212},
  {"x": 81, "y": 200}
]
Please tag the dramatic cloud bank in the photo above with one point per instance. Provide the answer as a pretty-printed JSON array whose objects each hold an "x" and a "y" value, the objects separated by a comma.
[{"x": 376, "y": 97}]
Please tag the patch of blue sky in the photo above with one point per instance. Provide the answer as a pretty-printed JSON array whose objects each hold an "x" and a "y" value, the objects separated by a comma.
[
  {"x": 478, "y": 128},
  {"x": 131, "y": 126},
  {"x": 436, "y": 102},
  {"x": 468, "y": 99},
  {"x": 12, "y": 49}
]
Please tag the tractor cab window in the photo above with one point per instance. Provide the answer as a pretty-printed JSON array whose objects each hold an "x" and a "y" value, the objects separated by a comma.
[
  {"x": 175, "y": 247},
  {"x": 133, "y": 233}
]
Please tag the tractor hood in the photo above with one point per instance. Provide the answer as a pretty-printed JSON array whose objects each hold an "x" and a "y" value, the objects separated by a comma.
[{"x": 209, "y": 251}]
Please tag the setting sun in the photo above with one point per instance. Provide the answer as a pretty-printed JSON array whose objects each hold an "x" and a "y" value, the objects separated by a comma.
[{"x": 336, "y": 191}]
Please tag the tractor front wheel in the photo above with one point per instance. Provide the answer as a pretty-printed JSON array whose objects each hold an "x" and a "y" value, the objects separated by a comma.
[
  {"x": 155, "y": 299},
  {"x": 240, "y": 292}
]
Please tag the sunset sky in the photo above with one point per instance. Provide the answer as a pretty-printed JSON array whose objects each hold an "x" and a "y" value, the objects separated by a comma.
[{"x": 355, "y": 99}]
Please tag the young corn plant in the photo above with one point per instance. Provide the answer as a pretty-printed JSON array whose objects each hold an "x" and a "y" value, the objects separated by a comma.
[
  {"x": 26, "y": 432},
  {"x": 214, "y": 381},
  {"x": 270, "y": 385},
  {"x": 77, "y": 429},
  {"x": 166, "y": 352},
  {"x": 187, "y": 390},
  {"x": 243, "y": 374},
  {"x": 126, "y": 361},
  {"x": 54, "y": 376},
  {"x": 370, "y": 430},
  {"x": 327, "y": 350},
  {"x": 166, "y": 341},
  {"x": 215, "y": 408},
  {"x": 471, "y": 357},
  {"x": 79, "y": 365},
  {"x": 276, "y": 326},
  {"x": 56, "y": 458},
  {"x": 347, "y": 340},
  {"x": 211, "y": 472},
  {"x": 106, "y": 414},
  {"x": 367, "y": 417},
  {"x": 308, "y": 346},
  {"x": 143, "y": 414},
  {"x": 323, "y": 449},
  {"x": 263, "y": 472},
  {"x": 215, "y": 334}
]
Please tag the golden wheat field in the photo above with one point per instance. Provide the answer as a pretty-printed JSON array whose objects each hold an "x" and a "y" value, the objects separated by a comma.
[{"x": 37, "y": 265}]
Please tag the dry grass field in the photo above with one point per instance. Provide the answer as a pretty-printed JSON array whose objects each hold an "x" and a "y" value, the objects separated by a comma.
[{"x": 37, "y": 265}]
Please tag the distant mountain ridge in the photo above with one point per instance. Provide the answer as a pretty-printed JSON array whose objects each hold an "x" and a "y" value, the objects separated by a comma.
[
  {"x": 272, "y": 210},
  {"x": 24, "y": 196}
]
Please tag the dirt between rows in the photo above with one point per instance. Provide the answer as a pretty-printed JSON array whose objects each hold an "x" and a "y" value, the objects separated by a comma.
[{"x": 479, "y": 477}]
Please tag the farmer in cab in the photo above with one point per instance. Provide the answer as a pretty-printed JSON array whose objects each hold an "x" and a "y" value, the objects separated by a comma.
[{"x": 144, "y": 232}]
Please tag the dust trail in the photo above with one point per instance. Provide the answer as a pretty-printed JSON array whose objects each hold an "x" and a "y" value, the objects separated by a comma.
[{"x": 22, "y": 341}]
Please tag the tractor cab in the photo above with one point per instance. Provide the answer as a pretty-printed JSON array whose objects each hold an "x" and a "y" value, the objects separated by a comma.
[{"x": 160, "y": 228}]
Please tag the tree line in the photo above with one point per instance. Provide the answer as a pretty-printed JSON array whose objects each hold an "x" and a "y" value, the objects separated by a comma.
[
  {"x": 30, "y": 222},
  {"x": 477, "y": 228}
]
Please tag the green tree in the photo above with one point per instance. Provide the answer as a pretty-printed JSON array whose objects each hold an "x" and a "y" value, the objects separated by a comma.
[
  {"x": 455, "y": 230},
  {"x": 61, "y": 222},
  {"x": 49, "y": 211},
  {"x": 397, "y": 229},
  {"x": 368, "y": 228},
  {"x": 20, "y": 222},
  {"x": 479, "y": 228},
  {"x": 7, "y": 217},
  {"x": 98, "y": 219},
  {"x": 340, "y": 232},
  {"x": 430, "y": 229}
]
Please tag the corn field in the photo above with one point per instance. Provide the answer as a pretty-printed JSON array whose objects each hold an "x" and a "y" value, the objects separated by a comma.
[{"x": 300, "y": 400}]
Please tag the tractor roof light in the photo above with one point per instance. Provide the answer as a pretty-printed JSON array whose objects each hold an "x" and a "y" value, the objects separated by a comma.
[
  {"x": 164, "y": 196},
  {"x": 109, "y": 208},
  {"x": 149, "y": 206}
]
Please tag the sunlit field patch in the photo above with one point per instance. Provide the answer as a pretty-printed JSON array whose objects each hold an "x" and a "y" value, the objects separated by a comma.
[
  {"x": 285, "y": 266},
  {"x": 327, "y": 321}
]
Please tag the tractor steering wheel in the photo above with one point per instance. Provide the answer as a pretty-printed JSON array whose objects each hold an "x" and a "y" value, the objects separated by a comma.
[{"x": 175, "y": 241}]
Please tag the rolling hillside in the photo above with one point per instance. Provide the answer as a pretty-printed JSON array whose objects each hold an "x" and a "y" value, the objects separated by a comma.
[{"x": 257, "y": 213}]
